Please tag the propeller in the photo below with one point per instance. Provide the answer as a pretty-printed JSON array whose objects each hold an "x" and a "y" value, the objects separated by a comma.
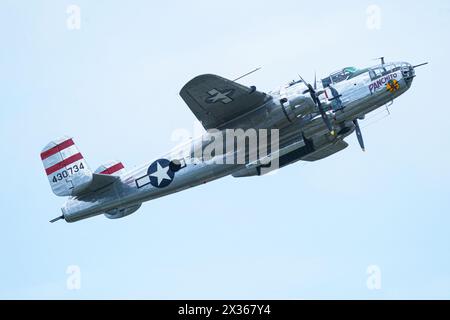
[
  {"x": 319, "y": 105},
  {"x": 359, "y": 134},
  {"x": 315, "y": 80}
]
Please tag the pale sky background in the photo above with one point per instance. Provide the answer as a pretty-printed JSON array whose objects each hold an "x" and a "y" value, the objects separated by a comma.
[{"x": 309, "y": 231}]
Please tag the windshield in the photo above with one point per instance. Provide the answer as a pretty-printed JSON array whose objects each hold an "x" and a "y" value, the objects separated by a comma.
[{"x": 343, "y": 74}]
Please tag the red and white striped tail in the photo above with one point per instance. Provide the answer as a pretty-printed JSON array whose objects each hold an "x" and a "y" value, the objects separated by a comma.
[
  {"x": 113, "y": 167},
  {"x": 66, "y": 169}
]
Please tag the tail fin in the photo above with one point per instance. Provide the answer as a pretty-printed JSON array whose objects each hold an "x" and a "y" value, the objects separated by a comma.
[{"x": 66, "y": 169}]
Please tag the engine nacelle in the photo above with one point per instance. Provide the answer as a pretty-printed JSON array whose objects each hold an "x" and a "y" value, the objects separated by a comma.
[
  {"x": 298, "y": 106},
  {"x": 122, "y": 212}
]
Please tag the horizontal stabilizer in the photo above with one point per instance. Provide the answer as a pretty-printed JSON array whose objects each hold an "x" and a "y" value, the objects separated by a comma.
[
  {"x": 113, "y": 167},
  {"x": 99, "y": 181},
  {"x": 68, "y": 172}
]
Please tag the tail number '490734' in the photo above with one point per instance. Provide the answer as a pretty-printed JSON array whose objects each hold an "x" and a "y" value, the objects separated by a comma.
[{"x": 67, "y": 172}]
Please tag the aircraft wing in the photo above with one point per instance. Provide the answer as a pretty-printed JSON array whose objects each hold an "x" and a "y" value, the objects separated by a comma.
[{"x": 215, "y": 100}]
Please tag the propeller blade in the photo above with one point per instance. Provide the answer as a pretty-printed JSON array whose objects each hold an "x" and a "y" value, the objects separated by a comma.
[
  {"x": 319, "y": 105},
  {"x": 359, "y": 134},
  {"x": 325, "y": 118},
  {"x": 303, "y": 80},
  {"x": 315, "y": 80}
]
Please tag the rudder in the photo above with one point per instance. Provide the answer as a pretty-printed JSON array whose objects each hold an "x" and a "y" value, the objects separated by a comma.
[{"x": 66, "y": 169}]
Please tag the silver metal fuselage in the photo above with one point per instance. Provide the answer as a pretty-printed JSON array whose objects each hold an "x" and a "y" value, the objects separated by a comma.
[{"x": 359, "y": 95}]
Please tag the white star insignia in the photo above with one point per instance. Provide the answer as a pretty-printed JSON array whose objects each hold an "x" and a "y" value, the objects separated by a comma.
[{"x": 161, "y": 173}]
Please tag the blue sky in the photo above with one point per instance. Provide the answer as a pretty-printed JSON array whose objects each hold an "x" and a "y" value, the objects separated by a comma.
[{"x": 309, "y": 231}]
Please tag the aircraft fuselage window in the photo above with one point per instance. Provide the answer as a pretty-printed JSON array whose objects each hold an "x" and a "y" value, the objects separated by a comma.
[
  {"x": 376, "y": 73},
  {"x": 326, "y": 82},
  {"x": 392, "y": 68},
  {"x": 338, "y": 77}
]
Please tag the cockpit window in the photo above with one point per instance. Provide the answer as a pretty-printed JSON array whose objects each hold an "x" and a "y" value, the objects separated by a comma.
[
  {"x": 392, "y": 67},
  {"x": 358, "y": 72},
  {"x": 350, "y": 69},
  {"x": 341, "y": 75},
  {"x": 377, "y": 72},
  {"x": 383, "y": 70}
]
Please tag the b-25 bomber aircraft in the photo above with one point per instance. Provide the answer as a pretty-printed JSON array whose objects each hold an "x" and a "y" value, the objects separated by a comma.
[{"x": 311, "y": 122}]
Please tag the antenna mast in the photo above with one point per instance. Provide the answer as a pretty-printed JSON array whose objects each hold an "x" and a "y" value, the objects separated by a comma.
[{"x": 248, "y": 73}]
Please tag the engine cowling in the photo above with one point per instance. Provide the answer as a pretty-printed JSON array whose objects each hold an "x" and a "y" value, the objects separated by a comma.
[{"x": 122, "y": 212}]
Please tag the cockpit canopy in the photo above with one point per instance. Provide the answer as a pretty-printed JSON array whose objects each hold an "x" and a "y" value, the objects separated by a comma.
[
  {"x": 343, "y": 74},
  {"x": 375, "y": 72},
  {"x": 339, "y": 76}
]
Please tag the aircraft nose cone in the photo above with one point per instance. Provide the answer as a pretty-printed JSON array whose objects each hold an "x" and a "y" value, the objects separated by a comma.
[{"x": 408, "y": 72}]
